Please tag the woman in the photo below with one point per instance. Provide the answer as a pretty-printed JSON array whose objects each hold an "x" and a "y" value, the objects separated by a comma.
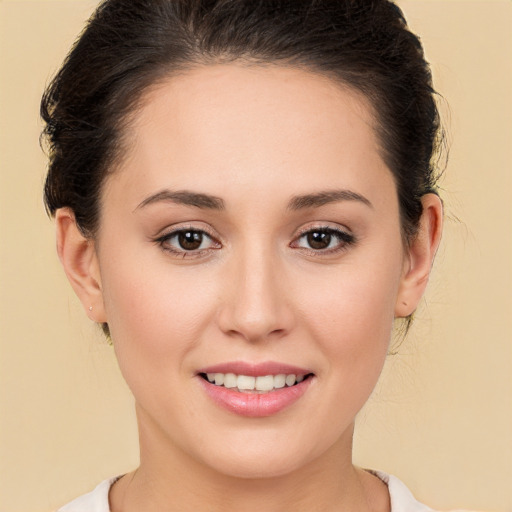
[{"x": 245, "y": 200}]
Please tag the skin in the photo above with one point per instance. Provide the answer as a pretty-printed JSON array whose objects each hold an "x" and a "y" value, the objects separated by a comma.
[{"x": 255, "y": 138}]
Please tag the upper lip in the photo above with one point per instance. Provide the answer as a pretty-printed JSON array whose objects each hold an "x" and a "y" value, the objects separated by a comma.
[{"x": 255, "y": 369}]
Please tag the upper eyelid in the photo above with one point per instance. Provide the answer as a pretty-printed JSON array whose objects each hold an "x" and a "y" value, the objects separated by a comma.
[
  {"x": 177, "y": 228},
  {"x": 163, "y": 241},
  {"x": 323, "y": 226},
  {"x": 344, "y": 235}
]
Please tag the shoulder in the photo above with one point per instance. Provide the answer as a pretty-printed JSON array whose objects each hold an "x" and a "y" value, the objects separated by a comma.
[
  {"x": 94, "y": 501},
  {"x": 401, "y": 497}
]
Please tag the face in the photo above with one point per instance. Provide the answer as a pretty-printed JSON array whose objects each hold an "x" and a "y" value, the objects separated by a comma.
[{"x": 251, "y": 237}]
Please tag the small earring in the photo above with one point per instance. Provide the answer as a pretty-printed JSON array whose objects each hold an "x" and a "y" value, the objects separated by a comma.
[{"x": 90, "y": 308}]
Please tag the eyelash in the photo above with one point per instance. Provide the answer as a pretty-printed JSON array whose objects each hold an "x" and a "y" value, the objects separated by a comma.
[
  {"x": 344, "y": 238},
  {"x": 164, "y": 241}
]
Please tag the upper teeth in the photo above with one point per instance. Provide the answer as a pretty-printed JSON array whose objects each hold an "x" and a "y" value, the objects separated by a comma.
[{"x": 248, "y": 383}]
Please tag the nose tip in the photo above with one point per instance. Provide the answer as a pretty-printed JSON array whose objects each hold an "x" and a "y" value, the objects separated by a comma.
[
  {"x": 253, "y": 330},
  {"x": 256, "y": 305}
]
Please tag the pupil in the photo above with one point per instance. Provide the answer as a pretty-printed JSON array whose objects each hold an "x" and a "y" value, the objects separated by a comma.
[
  {"x": 190, "y": 240},
  {"x": 319, "y": 240}
]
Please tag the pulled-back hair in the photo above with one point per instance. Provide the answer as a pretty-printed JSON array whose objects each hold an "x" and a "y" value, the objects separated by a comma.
[{"x": 129, "y": 45}]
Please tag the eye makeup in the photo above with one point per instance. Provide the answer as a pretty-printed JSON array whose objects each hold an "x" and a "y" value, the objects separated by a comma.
[
  {"x": 193, "y": 242},
  {"x": 323, "y": 240},
  {"x": 188, "y": 242}
]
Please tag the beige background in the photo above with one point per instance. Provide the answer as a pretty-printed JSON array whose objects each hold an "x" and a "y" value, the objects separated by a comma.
[{"x": 441, "y": 418}]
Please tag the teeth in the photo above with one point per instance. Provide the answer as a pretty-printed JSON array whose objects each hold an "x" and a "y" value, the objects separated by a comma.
[
  {"x": 290, "y": 380},
  {"x": 245, "y": 382},
  {"x": 264, "y": 383},
  {"x": 279, "y": 381},
  {"x": 230, "y": 380}
]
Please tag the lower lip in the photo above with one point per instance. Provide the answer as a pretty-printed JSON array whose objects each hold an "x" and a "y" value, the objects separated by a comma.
[{"x": 255, "y": 405}]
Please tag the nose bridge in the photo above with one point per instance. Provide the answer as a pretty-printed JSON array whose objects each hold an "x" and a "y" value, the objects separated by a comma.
[{"x": 256, "y": 305}]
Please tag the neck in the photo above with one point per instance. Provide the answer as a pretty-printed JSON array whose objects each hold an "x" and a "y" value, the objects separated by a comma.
[{"x": 169, "y": 480}]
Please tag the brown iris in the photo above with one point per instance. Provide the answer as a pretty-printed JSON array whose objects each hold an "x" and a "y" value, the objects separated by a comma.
[
  {"x": 190, "y": 240},
  {"x": 319, "y": 239}
]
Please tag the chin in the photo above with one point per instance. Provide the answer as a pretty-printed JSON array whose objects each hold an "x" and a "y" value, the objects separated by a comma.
[
  {"x": 262, "y": 455},
  {"x": 256, "y": 469}
]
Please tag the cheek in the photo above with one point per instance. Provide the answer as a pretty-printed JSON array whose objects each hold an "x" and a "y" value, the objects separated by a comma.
[
  {"x": 156, "y": 319},
  {"x": 357, "y": 304},
  {"x": 350, "y": 312},
  {"x": 156, "y": 311}
]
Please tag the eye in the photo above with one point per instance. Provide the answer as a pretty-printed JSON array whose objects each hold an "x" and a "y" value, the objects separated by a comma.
[
  {"x": 325, "y": 240},
  {"x": 187, "y": 242}
]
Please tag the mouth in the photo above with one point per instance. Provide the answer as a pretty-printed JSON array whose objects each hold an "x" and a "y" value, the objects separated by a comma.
[
  {"x": 255, "y": 390},
  {"x": 250, "y": 384}
]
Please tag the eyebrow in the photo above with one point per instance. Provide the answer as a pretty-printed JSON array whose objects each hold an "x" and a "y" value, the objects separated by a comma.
[
  {"x": 325, "y": 197},
  {"x": 195, "y": 199},
  {"x": 206, "y": 201}
]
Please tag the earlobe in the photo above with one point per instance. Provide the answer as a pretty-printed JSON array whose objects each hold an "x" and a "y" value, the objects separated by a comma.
[
  {"x": 420, "y": 257},
  {"x": 79, "y": 259}
]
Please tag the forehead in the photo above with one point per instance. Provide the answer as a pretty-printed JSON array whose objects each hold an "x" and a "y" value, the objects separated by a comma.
[
  {"x": 245, "y": 96},
  {"x": 251, "y": 125}
]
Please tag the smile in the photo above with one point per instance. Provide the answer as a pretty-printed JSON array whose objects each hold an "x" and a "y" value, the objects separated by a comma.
[
  {"x": 255, "y": 390},
  {"x": 254, "y": 384}
]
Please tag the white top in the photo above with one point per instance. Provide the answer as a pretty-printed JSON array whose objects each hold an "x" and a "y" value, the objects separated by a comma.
[{"x": 401, "y": 498}]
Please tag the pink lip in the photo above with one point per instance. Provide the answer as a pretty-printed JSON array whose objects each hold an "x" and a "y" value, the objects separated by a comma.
[
  {"x": 254, "y": 404},
  {"x": 255, "y": 369}
]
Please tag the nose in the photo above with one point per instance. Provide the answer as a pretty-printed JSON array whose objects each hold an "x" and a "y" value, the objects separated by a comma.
[{"x": 255, "y": 305}]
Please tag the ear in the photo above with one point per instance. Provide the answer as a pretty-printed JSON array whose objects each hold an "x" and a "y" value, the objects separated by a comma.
[
  {"x": 79, "y": 259},
  {"x": 420, "y": 256}
]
